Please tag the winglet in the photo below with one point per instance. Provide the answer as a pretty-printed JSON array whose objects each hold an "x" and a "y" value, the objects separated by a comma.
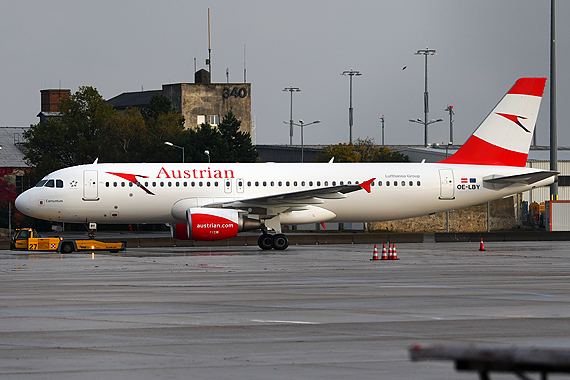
[{"x": 366, "y": 185}]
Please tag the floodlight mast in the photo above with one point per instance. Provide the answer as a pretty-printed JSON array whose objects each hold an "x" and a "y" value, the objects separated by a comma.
[
  {"x": 350, "y": 73},
  {"x": 426, "y": 52},
  {"x": 291, "y": 89}
]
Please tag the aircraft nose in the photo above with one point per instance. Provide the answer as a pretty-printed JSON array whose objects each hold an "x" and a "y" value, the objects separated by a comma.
[{"x": 23, "y": 202}]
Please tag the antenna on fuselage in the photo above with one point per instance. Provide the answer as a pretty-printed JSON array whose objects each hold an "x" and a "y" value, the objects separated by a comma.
[{"x": 96, "y": 160}]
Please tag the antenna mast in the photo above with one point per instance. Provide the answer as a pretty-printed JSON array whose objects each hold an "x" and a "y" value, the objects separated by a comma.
[{"x": 209, "y": 47}]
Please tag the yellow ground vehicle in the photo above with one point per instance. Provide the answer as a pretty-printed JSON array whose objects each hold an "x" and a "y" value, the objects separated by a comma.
[{"x": 28, "y": 239}]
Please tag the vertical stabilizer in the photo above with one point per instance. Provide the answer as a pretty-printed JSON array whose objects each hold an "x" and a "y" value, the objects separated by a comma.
[{"x": 504, "y": 137}]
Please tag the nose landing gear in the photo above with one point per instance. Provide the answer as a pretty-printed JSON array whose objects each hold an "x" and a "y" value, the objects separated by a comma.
[{"x": 278, "y": 241}]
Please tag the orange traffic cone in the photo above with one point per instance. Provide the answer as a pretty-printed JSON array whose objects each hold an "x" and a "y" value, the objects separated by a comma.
[
  {"x": 384, "y": 256},
  {"x": 390, "y": 251},
  {"x": 375, "y": 254},
  {"x": 481, "y": 246},
  {"x": 394, "y": 254}
]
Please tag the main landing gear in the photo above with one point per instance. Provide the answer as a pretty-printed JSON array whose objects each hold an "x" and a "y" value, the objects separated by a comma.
[{"x": 278, "y": 242}]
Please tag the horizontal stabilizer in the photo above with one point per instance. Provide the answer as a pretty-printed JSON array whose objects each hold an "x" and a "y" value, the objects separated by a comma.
[{"x": 522, "y": 179}]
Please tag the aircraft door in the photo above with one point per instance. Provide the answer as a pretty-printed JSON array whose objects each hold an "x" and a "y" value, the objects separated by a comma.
[
  {"x": 90, "y": 191},
  {"x": 228, "y": 185},
  {"x": 240, "y": 184},
  {"x": 446, "y": 184}
]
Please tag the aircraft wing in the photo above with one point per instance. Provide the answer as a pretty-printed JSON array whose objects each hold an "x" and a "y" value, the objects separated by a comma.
[
  {"x": 297, "y": 198},
  {"x": 500, "y": 359},
  {"x": 522, "y": 179}
]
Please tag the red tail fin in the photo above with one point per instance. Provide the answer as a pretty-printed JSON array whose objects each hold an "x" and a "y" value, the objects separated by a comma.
[{"x": 503, "y": 138}]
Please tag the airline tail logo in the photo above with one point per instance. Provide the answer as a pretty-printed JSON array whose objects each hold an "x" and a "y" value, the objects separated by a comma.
[
  {"x": 133, "y": 178},
  {"x": 515, "y": 119}
]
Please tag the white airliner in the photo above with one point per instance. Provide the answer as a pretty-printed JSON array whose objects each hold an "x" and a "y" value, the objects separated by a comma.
[{"x": 217, "y": 201}]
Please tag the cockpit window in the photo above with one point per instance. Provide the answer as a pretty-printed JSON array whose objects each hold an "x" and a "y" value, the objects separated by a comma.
[
  {"x": 50, "y": 183},
  {"x": 58, "y": 183},
  {"x": 41, "y": 183}
]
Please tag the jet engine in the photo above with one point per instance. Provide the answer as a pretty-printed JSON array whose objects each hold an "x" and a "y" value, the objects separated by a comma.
[{"x": 212, "y": 224}]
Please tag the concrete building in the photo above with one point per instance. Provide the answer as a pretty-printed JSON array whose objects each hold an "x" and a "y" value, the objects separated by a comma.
[{"x": 199, "y": 102}]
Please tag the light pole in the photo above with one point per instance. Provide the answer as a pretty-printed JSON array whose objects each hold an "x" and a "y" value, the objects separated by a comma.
[
  {"x": 451, "y": 113},
  {"x": 350, "y": 73},
  {"x": 176, "y": 146},
  {"x": 291, "y": 89},
  {"x": 302, "y": 125},
  {"x": 207, "y": 153},
  {"x": 382, "y": 120},
  {"x": 426, "y": 52}
]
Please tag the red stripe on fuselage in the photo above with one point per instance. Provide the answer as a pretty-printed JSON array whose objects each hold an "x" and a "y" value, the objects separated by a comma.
[
  {"x": 479, "y": 152},
  {"x": 529, "y": 86}
]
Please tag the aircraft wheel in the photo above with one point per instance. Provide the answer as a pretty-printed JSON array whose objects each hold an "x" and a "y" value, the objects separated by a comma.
[
  {"x": 280, "y": 242},
  {"x": 265, "y": 242}
]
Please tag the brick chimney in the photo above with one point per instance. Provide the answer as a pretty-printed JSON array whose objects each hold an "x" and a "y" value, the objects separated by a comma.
[{"x": 51, "y": 99}]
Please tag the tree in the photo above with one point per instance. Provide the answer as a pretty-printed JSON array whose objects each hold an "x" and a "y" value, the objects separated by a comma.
[
  {"x": 361, "y": 151},
  {"x": 239, "y": 144},
  {"x": 74, "y": 138},
  {"x": 158, "y": 105}
]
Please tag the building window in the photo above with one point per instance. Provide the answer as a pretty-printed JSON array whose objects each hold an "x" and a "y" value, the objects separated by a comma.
[
  {"x": 201, "y": 119},
  {"x": 214, "y": 119}
]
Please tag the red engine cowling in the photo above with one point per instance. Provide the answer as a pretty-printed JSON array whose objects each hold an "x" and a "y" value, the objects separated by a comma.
[{"x": 212, "y": 224}]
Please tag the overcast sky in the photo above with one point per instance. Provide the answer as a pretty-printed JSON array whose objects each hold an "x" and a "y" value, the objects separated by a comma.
[{"x": 117, "y": 46}]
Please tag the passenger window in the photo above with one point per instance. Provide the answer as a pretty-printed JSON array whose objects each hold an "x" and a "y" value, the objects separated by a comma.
[
  {"x": 130, "y": 184},
  {"x": 387, "y": 183},
  {"x": 295, "y": 183},
  {"x": 256, "y": 183},
  {"x": 107, "y": 184},
  {"x": 272, "y": 183},
  {"x": 280, "y": 183},
  {"x": 419, "y": 183},
  {"x": 403, "y": 183},
  {"x": 208, "y": 183},
  {"x": 169, "y": 184},
  {"x": 395, "y": 183},
  {"x": 58, "y": 183},
  {"x": 310, "y": 183},
  {"x": 185, "y": 184},
  {"x": 216, "y": 184},
  {"x": 411, "y": 183},
  {"x": 146, "y": 184},
  {"x": 264, "y": 183},
  {"x": 122, "y": 184},
  {"x": 162, "y": 184},
  {"x": 193, "y": 184},
  {"x": 248, "y": 183},
  {"x": 153, "y": 184},
  {"x": 379, "y": 183},
  {"x": 341, "y": 183},
  {"x": 200, "y": 183},
  {"x": 334, "y": 183},
  {"x": 302, "y": 183},
  {"x": 326, "y": 183},
  {"x": 50, "y": 183},
  {"x": 177, "y": 184},
  {"x": 287, "y": 183}
]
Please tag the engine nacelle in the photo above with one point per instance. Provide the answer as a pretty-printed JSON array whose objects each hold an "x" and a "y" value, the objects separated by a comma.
[{"x": 212, "y": 224}]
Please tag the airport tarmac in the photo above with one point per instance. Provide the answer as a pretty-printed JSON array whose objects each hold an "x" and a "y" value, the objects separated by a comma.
[{"x": 310, "y": 312}]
